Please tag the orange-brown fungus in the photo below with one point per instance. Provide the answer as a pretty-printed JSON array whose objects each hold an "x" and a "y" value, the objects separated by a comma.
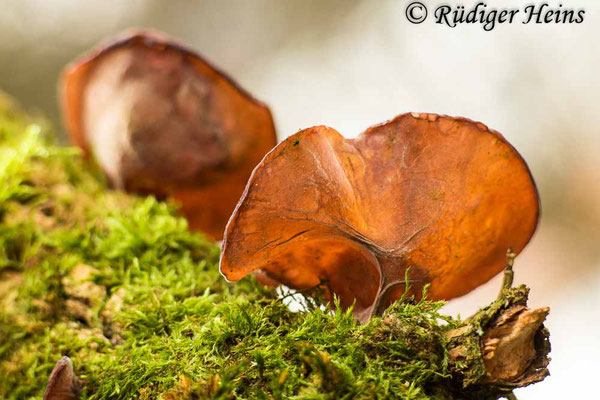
[
  {"x": 438, "y": 196},
  {"x": 159, "y": 119}
]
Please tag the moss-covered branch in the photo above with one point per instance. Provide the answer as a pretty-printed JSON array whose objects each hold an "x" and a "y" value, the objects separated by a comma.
[{"x": 118, "y": 284}]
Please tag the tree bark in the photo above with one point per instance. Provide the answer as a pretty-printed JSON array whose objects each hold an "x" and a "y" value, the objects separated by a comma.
[{"x": 502, "y": 347}]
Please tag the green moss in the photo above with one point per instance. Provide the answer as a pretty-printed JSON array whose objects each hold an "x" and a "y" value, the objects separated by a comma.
[{"x": 121, "y": 286}]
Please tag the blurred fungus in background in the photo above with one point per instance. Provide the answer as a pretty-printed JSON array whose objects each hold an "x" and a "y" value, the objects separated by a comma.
[
  {"x": 160, "y": 120},
  {"x": 348, "y": 63}
]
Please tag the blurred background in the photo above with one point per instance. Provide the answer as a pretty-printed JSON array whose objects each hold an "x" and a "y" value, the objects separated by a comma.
[{"x": 350, "y": 64}]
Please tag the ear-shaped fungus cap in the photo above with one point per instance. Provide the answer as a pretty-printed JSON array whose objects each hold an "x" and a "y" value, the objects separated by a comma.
[
  {"x": 159, "y": 119},
  {"x": 63, "y": 384},
  {"x": 438, "y": 196}
]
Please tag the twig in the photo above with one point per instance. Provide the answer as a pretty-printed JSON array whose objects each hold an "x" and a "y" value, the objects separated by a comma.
[{"x": 507, "y": 281}]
